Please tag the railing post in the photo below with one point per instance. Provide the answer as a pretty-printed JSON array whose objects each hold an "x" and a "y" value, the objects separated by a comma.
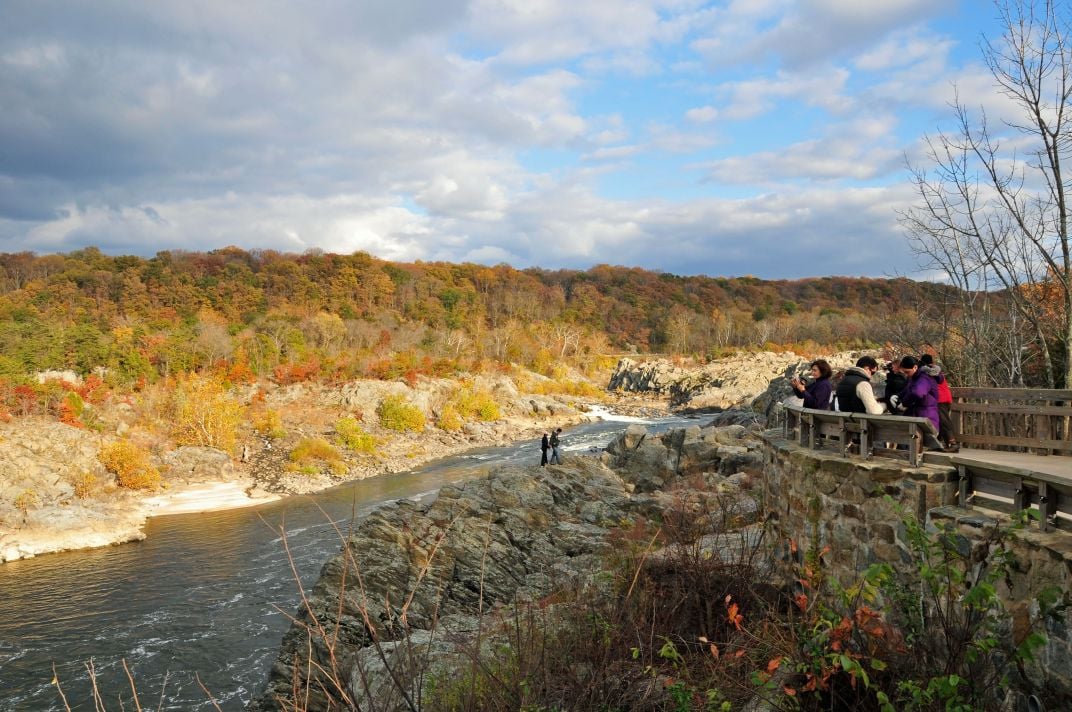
[
  {"x": 958, "y": 417},
  {"x": 962, "y": 492},
  {"x": 913, "y": 444},
  {"x": 865, "y": 438},
  {"x": 813, "y": 440},
  {"x": 1047, "y": 507},
  {"x": 1021, "y": 499}
]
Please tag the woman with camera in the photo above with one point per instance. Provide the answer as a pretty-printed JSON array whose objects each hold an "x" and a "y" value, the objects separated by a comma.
[{"x": 817, "y": 394}]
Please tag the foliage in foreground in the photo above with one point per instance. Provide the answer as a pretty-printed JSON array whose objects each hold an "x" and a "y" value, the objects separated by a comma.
[
  {"x": 693, "y": 631},
  {"x": 672, "y": 625}
]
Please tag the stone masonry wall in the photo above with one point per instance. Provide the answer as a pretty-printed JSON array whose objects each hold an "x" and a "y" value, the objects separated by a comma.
[{"x": 820, "y": 498}]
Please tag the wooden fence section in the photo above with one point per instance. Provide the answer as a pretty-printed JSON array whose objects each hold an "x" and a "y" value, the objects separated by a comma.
[
  {"x": 890, "y": 435},
  {"x": 1013, "y": 489},
  {"x": 1014, "y": 419}
]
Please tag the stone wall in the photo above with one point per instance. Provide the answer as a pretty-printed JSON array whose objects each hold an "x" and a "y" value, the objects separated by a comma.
[
  {"x": 856, "y": 508},
  {"x": 850, "y": 505}
]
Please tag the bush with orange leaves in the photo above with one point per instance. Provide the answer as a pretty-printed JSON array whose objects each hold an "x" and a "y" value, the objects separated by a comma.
[{"x": 130, "y": 464}]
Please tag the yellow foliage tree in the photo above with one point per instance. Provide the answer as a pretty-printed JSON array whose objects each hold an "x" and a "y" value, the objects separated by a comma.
[{"x": 205, "y": 413}]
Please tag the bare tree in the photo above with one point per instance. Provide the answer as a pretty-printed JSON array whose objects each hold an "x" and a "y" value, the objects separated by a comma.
[{"x": 992, "y": 209}]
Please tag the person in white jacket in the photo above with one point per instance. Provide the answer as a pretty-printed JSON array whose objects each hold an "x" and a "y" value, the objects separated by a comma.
[{"x": 854, "y": 394}]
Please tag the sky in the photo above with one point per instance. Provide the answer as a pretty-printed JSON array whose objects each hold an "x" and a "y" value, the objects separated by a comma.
[{"x": 727, "y": 138}]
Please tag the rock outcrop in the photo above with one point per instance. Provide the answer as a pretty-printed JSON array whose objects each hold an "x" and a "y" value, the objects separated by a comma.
[
  {"x": 415, "y": 577},
  {"x": 747, "y": 381},
  {"x": 55, "y": 495}
]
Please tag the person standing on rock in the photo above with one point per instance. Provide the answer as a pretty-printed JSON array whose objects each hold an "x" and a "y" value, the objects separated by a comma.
[
  {"x": 545, "y": 445},
  {"x": 556, "y": 442}
]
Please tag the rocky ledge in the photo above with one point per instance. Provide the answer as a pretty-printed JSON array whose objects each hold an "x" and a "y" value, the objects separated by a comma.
[{"x": 422, "y": 574}]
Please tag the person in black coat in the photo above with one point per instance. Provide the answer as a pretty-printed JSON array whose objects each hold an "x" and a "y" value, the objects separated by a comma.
[
  {"x": 545, "y": 445},
  {"x": 895, "y": 382}
]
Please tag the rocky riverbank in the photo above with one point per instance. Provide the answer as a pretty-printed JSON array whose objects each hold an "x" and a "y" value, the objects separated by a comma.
[
  {"x": 414, "y": 580},
  {"x": 55, "y": 494}
]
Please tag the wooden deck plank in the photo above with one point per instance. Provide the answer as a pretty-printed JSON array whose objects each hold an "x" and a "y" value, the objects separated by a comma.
[{"x": 1058, "y": 466}]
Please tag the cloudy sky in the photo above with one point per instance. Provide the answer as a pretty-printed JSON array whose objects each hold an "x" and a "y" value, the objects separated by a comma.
[{"x": 733, "y": 137}]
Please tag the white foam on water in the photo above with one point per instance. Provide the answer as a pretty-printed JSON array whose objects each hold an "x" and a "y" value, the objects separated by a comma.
[{"x": 604, "y": 413}]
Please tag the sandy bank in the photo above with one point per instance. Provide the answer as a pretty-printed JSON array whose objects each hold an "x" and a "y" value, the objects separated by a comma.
[{"x": 204, "y": 497}]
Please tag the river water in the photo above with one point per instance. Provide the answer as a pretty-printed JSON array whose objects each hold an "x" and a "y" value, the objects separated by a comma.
[{"x": 203, "y": 597}]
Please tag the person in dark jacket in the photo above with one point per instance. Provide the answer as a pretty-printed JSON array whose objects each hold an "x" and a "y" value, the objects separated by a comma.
[
  {"x": 895, "y": 382},
  {"x": 545, "y": 445},
  {"x": 854, "y": 393},
  {"x": 817, "y": 394},
  {"x": 556, "y": 443}
]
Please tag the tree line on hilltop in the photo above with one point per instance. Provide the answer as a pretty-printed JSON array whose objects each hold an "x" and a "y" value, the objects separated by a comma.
[{"x": 329, "y": 317}]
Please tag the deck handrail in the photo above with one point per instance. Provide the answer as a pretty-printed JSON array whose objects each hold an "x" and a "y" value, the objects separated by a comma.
[
  {"x": 1018, "y": 419},
  {"x": 813, "y": 428},
  {"x": 1014, "y": 489}
]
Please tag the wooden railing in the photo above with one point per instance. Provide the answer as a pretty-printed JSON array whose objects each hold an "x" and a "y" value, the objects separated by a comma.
[
  {"x": 890, "y": 435},
  {"x": 1007, "y": 488},
  {"x": 1015, "y": 419}
]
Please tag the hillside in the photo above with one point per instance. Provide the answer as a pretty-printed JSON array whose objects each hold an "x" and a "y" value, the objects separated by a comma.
[{"x": 317, "y": 315}]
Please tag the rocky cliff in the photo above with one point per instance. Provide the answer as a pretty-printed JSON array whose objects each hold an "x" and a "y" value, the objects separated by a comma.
[{"x": 414, "y": 579}]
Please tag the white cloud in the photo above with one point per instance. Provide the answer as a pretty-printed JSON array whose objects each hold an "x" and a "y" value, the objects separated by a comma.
[
  {"x": 754, "y": 97},
  {"x": 860, "y": 149},
  {"x": 612, "y": 153},
  {"x": 924, "y": 51},
  {"x": 480, "y": 130},
  {"x": 701, "y": 114},
  {"x": 805, "y": 33}
]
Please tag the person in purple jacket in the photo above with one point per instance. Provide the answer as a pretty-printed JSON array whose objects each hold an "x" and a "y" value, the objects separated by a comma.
[
  {"x": 816, "y": 395},
  {"x": 920, "y": 397}
]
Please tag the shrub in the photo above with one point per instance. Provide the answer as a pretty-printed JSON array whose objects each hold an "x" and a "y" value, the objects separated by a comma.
[
  {"x": 26, "y": 500},
  {"x": 563, "y": 386},
  {"x": 312, "y": 450},
  {"x": 85, "y": 484},
  {"x": 449, "y": 420},
  {"x": 350, "y": 434},
  {"x": 396, "y": 414},
  {"x": 130, "y": 464},
  {"x": 205, "y": 413},
  {"x": 269, "y": 423},
  {"x": 479, "y": 404}
]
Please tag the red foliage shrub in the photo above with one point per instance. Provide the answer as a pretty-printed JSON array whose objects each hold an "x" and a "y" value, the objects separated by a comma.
[{"x": 288, "y": 373}]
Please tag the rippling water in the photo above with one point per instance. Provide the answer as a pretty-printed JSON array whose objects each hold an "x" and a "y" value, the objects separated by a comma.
[{"x": 202, "y": 596}]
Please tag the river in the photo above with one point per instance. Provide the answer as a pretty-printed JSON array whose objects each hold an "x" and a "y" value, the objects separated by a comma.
[{"x": 204, "y": 595}]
